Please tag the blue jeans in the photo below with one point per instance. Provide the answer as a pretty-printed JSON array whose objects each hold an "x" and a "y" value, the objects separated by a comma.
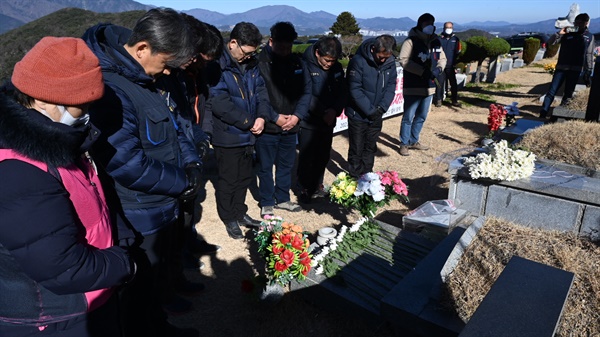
[
  {"x": 277, "y": 150},
  {"x": 416, "y": 109},
  {"x": 570, "y": 77}
]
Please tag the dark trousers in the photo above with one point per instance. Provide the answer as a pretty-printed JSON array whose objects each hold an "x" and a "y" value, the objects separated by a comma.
[
  {"x": 362, "y": 138},
  {"x": 447, "y": 78},
  {"x": 570, "y": 78},
  {"x": 141, "y": 300},
  {"x": 314, "y": 152},
  {"x": 235, "y": 175},
  {"x": 277, "y": 150}
]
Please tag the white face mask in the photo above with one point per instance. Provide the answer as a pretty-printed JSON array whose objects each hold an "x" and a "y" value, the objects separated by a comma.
[
  {"x": 448, "y": 31},
  {"x": 67, "y": 119},
  {"x": 428, "y": 29}
]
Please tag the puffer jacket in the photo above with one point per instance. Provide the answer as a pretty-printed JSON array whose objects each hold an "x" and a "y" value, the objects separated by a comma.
[
  {"x": 57, "y": 258},
  {"x": 371, "y": 85},
  {"x": 142, "y": 147},
  {"x": 576, "y": 50},
  {"x": 235, "y": 101},
  {"x": 289, "y": 86},
  {"x": 420, "y": 51},
  {"x": 329, "y": 91}
]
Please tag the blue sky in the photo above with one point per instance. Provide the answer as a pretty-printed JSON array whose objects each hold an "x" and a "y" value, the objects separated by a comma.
[{"x": 461, "y": 11}]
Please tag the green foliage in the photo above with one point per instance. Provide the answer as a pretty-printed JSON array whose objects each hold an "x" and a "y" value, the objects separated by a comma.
[
  {"x": 475, "y": 50},
  {"x": 300, "y": 48},
  {"x": 551, "y": 50},
  {"x": 497, "y": 46},
  {"x": 345, "y": 24},
  {"x": 65, "y": 22},
  {"x": 344, "y": 63},
  {"x": 530, "y": 49}
]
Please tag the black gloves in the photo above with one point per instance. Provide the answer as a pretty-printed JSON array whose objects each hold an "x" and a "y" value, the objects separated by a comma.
[
  {"x": 377, "y": 113},
  {"x": 202, "y": 148},
  {"x": 587, "y": 78},
  {"x": 193, "y": 172}
]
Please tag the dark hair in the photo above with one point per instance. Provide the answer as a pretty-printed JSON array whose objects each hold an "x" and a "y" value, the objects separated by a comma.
[
  {"x": 425, "y": 17},
  {"x": 166, "y": 32},
  {"x": 329, "y": 46},
  {"x": 583, "y": 17},
  {"x": 246, "y": 34},
  {"x": 207, "y": 38},
  {"x": 283, "y": 31},
  {"x": 384, "y": 43},
  {"x": 212, "y": 45}
]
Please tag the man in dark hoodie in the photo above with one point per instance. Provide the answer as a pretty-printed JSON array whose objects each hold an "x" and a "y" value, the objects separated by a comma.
[
  {"x": 289, "y": 86},
  {"x": 451, "y": 47},
  {"x": 576, "y": 56},
  {"x": 327, "y": 102},
  {"x": 423, "y": 61},
  {"x": 371, "y": 79},
  {"x": 145, "y": 152}
]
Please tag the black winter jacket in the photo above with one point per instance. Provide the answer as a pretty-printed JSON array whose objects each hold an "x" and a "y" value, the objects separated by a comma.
[
  {"x": 289, "y": 86},
  {"x": 329, "y": 91},
  {"x": 371, "y": 85}
]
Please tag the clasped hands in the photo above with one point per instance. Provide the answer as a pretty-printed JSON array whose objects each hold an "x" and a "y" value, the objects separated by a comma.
[{"x": 287, "y": 122}]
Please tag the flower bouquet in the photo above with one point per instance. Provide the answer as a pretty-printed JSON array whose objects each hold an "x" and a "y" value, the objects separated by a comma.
[
  {"x": 495, "y": 118},
  {"x": 284, "y": 246},
  {"x": 501, "y": 163},
  {"x": 370, "y": 192},
  {"x": 550, "y": 68}
]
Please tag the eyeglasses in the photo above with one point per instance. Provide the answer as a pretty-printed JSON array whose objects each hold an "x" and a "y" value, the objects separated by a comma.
[{"x": 246, "y": 54}]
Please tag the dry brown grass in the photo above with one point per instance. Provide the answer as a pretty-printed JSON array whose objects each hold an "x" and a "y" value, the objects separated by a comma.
[
  {"x": 579, "y": 101},
  {"x": 572, "y": 142},
  {"x": 498, "y": 241}
]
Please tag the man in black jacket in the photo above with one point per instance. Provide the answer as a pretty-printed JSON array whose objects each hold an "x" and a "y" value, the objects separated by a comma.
[
  {"x": 327, "y": 102},
  {"x": 372, "y": 83},
  {"x": 451, "y": 46},
  {"x": 576, "y": 55},
  {"x": 289, "y": 86}
]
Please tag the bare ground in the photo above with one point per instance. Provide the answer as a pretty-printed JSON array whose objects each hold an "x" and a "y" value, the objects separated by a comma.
[{"x": 224, "y": 310}]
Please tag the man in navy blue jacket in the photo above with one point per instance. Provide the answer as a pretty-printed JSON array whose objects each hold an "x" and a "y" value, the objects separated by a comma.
[
  {"x": 451, "y": 47},
  {"x": 144, "y": 150},
  {"x": 371, "y": 77},
  {"x": 236, "y": 113}
]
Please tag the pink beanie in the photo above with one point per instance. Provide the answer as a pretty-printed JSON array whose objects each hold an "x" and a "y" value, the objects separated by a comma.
[{"x": 60, "y": 70}]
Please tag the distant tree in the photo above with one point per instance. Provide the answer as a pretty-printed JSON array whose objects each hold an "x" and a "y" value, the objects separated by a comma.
[
  {"x": 350, "y": 44},
  {"x": 345, "y": 25},
  {"x": 475, "y": 51},
  {"x": 496, "y": 47},
  {"x": 530, "y": 49}
]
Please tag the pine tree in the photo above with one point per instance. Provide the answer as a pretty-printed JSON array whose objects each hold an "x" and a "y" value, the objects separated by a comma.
[{"x": 345, "y": 25}]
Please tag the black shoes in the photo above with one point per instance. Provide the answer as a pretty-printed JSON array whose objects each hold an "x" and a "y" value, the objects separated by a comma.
[
  {"x": 543, "y": 113},
  {"x": 234, "y": 230},
  {"x": 248, "y": 221}
]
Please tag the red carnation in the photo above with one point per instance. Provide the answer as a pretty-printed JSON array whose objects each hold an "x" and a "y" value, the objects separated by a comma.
[
  {"x": 280, "y": 266},
  {"x": 288, "y": 257}
]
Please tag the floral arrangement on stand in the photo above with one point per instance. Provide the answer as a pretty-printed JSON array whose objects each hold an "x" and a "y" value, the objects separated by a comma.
[
  {"x": 284, "y": 246},
  {"x": 370, "y": 192},
  {"x": 367, "y": 194},
  {"x": 501, "y": 163}
]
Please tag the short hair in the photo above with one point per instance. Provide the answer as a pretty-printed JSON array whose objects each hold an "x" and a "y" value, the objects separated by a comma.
[
  {"x": 284, "y": 32},
  {"x": 384, "y": 43},
  {"x": 583, "y": 17},
  {"x": 246, "y": 34},
  {"x": 207, "y": 40},
  {"x": 166, "y": 32},
  {"x": 329, "y": 46},
  {"x": 423, "y": 18},
  {"x": 212, "y": 45},
  {"x": 448, "y": 22}
]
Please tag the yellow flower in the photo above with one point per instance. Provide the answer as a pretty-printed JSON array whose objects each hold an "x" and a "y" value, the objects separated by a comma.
[
  {"x": 350, "y": 189},
  {"x": 339, "y": 194},
  {"x": 341, "y": 175}
]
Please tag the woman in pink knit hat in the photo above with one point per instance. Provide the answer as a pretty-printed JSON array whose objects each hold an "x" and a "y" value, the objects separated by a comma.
[{"x": 58, "y": 261}]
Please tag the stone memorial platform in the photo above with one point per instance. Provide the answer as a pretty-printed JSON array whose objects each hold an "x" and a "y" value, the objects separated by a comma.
[{"x": 557, "y": 196}]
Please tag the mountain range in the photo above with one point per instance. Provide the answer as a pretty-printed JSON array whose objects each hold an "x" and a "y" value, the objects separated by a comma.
[{"x": 15, "y": 13}]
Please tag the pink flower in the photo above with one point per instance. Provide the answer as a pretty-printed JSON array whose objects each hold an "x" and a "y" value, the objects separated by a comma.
[{"x": 386, "y": 180}]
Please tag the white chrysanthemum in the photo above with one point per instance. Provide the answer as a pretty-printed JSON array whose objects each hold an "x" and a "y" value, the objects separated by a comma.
[{"x": 502, "y": 163}]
